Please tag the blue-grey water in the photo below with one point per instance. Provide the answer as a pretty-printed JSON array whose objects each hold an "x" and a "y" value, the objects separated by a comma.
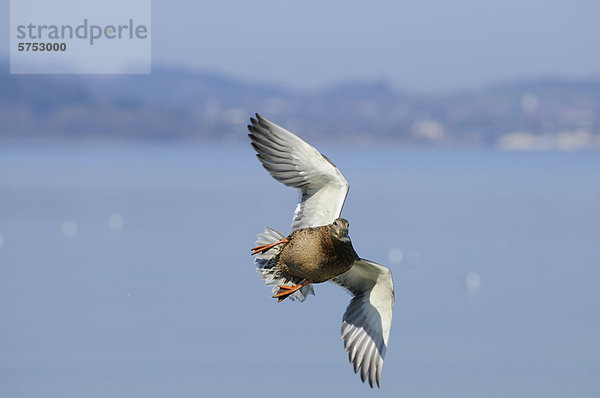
[{"x": 125, "y": 272}]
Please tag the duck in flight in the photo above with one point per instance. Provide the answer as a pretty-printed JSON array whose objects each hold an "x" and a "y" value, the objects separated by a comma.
[{"x": 319, "y": 249}]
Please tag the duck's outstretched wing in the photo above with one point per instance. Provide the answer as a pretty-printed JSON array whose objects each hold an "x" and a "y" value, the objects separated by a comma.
[
  {"x": 295, "y": 163},
  {"x": 368, "y": 317}
]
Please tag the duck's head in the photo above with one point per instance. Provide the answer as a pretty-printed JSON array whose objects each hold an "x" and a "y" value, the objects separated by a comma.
[{"x": 339, "y": 230}]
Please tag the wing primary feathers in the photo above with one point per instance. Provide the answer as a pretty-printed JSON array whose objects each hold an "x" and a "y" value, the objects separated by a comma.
[
  {"x": 295, "y": 163},
  {"x": 368, "y": 318}
]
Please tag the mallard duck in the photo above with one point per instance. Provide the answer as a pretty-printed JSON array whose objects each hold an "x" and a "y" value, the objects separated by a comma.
[{"x": 319, "y": 249}]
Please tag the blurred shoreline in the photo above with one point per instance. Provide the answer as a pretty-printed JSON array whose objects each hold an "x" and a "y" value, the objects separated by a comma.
[{"x": 179, "y": 106}]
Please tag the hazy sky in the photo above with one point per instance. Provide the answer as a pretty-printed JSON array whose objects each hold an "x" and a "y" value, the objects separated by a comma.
[{"x": 426, "y": 45}]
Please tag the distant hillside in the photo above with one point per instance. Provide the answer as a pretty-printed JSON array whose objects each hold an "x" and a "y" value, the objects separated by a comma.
[{"x": 181, "y": 105}]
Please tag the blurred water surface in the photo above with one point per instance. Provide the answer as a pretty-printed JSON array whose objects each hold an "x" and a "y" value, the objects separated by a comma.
[{"x": 125, "y": 272}]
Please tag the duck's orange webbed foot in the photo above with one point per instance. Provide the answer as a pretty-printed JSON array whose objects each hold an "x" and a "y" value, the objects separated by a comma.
[
  {"x": 264, "y": 248},
  {"x": 285, "y": 291}
]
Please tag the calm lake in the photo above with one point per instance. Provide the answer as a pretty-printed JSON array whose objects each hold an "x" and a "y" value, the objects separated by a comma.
[{"x": 126, "y": 272}]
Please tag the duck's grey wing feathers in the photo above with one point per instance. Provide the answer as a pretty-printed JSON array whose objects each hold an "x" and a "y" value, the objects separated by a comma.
[
  {"x": 368, "y": 318},
  {"x": 295, "y": 163}
]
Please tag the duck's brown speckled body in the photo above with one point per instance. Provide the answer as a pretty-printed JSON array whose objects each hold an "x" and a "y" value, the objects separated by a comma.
[{"x": 317, "y": 254}]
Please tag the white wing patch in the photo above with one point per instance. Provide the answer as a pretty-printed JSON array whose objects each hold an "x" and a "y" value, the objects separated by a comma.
[
  {"x": 368, "y": 318},
  {"x": 297, "y": 164}
]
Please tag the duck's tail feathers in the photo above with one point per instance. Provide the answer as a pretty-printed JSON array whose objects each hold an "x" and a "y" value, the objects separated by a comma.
[{"x": 266, "y": 266}]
